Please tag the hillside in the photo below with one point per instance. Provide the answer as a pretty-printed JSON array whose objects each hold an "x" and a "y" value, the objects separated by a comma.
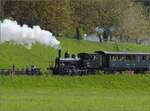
[
  {"x": 42, "y": 55},
  {"x": 70, "y": 93}
]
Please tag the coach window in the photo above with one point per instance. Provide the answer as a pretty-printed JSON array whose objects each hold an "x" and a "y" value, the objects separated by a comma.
[
  {"x": 94, "y": 57},
  {"x": 128, "y": 57},
  {"x": 91, "y": 57},
  {"x": 114, "y": 58},
  {"x": 138, "y": 58},
  {"x": 119, "y": 58},
  {"x": 144, "y": 58},
  {"x": 132, "y": 58},
  {"x": 147, "y": 58},
  {"x": 122, "y": 58}
]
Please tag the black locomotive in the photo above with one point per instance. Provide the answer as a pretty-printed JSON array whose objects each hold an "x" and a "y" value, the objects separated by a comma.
[{"x": 86, "y": 63}]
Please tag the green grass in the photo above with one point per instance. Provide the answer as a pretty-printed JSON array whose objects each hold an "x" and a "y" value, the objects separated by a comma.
[
  {"x": 42, "y": 55},
  {"x": 87, "y": 93},
  {"x": 65, "y": 93}
]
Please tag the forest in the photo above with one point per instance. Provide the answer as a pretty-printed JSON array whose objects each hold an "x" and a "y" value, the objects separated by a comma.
[{"x": 129, "y": 19}]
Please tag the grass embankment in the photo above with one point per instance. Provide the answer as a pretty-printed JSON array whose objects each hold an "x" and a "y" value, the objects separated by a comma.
[
  {"x": 87, "y": 93},
  {"x": 41, "y": 55}
]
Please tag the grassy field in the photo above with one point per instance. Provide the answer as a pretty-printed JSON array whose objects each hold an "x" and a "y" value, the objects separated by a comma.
[
  {"x": 87, "y": 93},
  {"x": 41, "y": 55},
  {"x": 65, "y": 93}
]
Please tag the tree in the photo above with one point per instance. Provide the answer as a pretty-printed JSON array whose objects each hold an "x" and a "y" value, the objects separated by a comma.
[
  {"x": 89, "y": 14},
  {"x": 2, "y": 3},
  {"x": 63, "y": 17},
  {"x": 53, "y": 15},
  {"x": 134, "y": 24}
]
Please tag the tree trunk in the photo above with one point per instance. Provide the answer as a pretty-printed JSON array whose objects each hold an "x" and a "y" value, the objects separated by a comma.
[{"x": 77, "y": 33}]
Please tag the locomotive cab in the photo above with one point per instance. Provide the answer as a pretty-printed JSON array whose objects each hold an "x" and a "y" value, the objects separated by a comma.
[{"x": 90, "y": 61}]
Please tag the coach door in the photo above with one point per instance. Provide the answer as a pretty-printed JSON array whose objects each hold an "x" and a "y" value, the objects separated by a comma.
[
  {"x": 105, "y": 61},
  {"x": 99, "y": 61}
]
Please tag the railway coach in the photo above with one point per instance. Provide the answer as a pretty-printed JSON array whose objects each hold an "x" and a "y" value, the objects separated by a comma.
[{"x": 122, "y": 61}]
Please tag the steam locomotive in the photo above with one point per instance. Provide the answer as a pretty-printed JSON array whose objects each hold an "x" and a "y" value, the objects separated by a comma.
[{"x": 90, "y": 63}]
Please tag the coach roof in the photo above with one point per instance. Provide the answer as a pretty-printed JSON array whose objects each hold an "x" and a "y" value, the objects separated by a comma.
[{"x": 122, "y": 53}]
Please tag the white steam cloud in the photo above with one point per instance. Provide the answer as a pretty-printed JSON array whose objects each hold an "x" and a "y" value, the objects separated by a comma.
[{"x": 24, "y": 35}]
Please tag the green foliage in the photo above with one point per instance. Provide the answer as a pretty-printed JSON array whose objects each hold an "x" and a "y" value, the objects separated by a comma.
[
  {"x": 53, "y": 15},
  {"x": 63, "y": 16},
  {"x": 134, "y": 24},
  {"x": 69, "y": 32}
]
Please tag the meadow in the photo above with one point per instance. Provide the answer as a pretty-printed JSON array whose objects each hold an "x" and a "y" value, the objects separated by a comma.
[
  {"x": 63, "y": 93},
  {"x": 119, "y": 92}
]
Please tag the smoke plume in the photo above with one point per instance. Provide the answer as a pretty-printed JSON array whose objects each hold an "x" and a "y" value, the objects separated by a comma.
[{"x": 24, "y": 35}]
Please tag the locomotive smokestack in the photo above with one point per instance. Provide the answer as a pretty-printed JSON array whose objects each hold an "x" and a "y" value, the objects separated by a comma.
[{"x": 59, "y": 53}]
